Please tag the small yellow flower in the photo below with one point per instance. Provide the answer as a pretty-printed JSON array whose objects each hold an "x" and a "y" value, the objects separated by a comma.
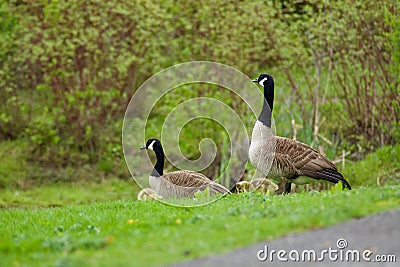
[
  {"x": 178, "y": 221},
  {"x": 131, "y": 221}
]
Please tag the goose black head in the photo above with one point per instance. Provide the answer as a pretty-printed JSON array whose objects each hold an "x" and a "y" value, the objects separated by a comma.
[
  {"x": 265, "y": 80},
  {"x": 155, "y": 145},
  {"x": 152, "y": 144}
]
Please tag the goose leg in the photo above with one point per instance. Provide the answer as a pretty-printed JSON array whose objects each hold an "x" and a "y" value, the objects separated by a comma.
[
  {"x": 281, "y": 188},
  {"x": 288, "y": 188}
]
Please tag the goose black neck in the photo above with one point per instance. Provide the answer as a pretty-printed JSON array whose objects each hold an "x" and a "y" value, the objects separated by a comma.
[
  {"x": 159, "y": 167},
  {"x": 266, "y": 112}
]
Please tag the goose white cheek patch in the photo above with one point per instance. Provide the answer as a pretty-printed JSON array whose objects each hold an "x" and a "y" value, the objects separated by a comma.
[
  {"x": 151, "y": 146},
  {"x": 262, "y": 81}
]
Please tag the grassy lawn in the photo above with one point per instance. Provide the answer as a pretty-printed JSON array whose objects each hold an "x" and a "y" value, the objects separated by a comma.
[
  {"x": 120, "y": 233},
  {"x": 53, "y": 195},
  {"x": 101, "y": 224}
]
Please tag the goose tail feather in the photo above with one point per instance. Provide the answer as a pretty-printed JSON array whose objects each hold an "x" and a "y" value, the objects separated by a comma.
[
  {"x": 329, "y": 175},
  {"x": 217, "y": 188}
]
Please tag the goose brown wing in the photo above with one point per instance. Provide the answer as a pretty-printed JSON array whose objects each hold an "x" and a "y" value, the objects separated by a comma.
[
  {"x": 186, "y": 178},
  {"x": 191, "y": 179},
  {"x": 303, "y": 157},
  {"x": 217, "y": 188},
  {"x": 307, "y": 161}
]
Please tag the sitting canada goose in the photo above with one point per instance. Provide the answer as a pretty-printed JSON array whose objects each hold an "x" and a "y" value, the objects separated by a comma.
[
  {"x": 284, "y": 159},
  {"x": 148, "y": 194},
  {"x": 262, "y": 185},
  {"x": 177, "y": 184}
]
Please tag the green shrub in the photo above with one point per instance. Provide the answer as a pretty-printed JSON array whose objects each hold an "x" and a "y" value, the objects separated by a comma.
[
  {"x": 347, "y": 57},
  {"x": 13, "y": 164},
  {"x": 69, "y": 68}
]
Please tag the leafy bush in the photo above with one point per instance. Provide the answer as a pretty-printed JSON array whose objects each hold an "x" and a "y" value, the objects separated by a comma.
[
  {"x": 13, "y": 164},
  {"x": 78, "y": 62},
  {"x": 350, "y": 47},
  {"x": 379, "y": 168},
  {"x": 69, "y": 68}
]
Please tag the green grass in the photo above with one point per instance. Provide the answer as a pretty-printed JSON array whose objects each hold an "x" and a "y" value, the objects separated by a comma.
[
  {"x": 380, "y": 167},
  {"x": 122, "y": 233},
  {"x": 24, "y": 184},
  {"x": 61, "y": 194},
  {"x": 102, "y": 224}
]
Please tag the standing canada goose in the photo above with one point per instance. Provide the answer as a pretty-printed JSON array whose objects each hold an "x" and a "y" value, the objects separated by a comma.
[
  {"x": 284, "y": 159},
  {"x": 177, "y": 184},
  {"x": 148, "y": 194},
  {"x": 262, "y": 185}
]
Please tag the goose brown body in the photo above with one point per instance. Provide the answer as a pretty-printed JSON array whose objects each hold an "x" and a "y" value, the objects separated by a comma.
[
  {"x": 292, "y": 159},
  {"x": 177, "y": 184},
  {"x": 184, "y": 183},
  {"x": 285, "y": 159}
]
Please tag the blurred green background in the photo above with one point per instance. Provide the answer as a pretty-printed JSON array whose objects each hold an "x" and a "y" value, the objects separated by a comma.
[{"x": 69, "y": 68}]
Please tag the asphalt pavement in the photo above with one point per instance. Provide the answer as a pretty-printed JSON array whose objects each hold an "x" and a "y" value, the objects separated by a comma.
[{"x": 373, "y": 240}]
